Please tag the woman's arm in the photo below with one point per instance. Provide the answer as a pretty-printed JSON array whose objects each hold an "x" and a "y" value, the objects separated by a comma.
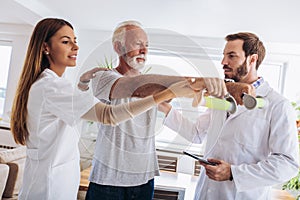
[{"x": 113, "y": 115}]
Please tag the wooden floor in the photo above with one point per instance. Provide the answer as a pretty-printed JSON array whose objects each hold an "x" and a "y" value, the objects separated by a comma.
[
  {"x": 277, "y": 194},
  {"x": 282, "y": 195},
  {"x": 84, "y": 181}
]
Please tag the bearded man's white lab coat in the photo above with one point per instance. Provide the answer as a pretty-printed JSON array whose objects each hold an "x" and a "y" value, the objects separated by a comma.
[{"x": 260, "y": 144}]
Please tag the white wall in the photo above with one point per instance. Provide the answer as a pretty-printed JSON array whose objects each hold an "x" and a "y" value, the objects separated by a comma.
[{"x": 88, "y": 41}]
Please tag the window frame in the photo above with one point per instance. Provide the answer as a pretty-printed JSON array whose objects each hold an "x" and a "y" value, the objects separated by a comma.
[{"x": 6, "y": 43}]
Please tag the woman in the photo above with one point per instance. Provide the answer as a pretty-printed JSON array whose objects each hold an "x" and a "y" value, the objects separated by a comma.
[{"x": 46, "y": 107}]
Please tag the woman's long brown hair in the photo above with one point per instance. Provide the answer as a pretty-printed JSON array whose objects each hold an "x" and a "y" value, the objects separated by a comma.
[{"x": 34, "y": 64}]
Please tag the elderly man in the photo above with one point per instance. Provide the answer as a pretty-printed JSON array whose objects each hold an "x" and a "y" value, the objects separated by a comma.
[{"x": 125, "y": 161}]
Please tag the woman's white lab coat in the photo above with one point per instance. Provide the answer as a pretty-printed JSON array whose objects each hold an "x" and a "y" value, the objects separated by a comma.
[
  {"x": 261, "y": 145},
  {"x": 52, "y": 165}
]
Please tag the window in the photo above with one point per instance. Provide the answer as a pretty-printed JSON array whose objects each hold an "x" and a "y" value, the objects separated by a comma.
[
  {"x": 5, "y": 55},
  {"x": 274, "y": 73}
]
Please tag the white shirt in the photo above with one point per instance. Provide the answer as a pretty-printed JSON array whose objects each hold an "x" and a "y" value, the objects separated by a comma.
[
  {"x": 260, "y": 144},
  {"x": 52, "y": 169},
  {"x": 125, "y": 154}
]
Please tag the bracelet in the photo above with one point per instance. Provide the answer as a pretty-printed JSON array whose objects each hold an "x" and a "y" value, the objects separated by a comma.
[
  {"x": 83, "y": 87},
  {"x": 84, "y": 82}
]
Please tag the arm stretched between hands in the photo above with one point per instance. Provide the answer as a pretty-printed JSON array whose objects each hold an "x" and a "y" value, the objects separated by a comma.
[
  {"x": 145, "y": 85},
  {"x": 113, "y": 115}
]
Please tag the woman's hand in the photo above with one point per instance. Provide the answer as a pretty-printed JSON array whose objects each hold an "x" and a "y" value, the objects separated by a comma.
[
  {"x": 213, "y": 86},
  {"x": 193, "y": 88},
  {"x": 85, "y": 78},
  {"x": 164, "y": 107}
]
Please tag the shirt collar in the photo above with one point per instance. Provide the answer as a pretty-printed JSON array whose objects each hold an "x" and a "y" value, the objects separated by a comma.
[{"x": 52, "y": 73}]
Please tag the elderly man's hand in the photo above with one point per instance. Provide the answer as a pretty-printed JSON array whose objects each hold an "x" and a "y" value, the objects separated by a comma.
[{"x": 237, "y": 90}]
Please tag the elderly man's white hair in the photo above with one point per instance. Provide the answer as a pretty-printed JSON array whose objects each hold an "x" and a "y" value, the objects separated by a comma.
[{"x": 120, "y": 30}]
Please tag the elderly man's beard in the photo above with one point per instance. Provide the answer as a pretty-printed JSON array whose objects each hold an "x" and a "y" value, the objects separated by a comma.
[
  {"x": 133, "y": 61},
  {"x": 241, "y": 71}
]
